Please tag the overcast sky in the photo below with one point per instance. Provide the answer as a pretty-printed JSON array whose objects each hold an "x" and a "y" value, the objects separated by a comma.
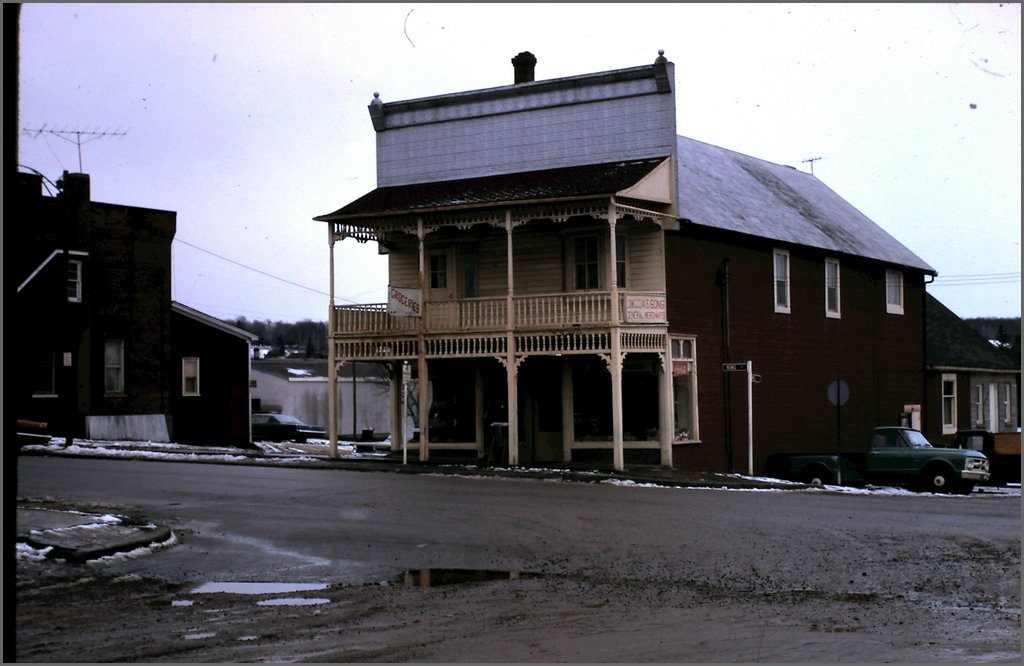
[{"x": 249, "y": 120}]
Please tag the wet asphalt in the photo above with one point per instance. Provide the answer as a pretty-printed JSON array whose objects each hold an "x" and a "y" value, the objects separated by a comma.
[{"x": 79, "y": 535}]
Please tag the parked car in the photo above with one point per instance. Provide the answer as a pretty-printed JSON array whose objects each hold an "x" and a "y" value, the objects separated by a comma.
[{"x": 283, "y": 428}]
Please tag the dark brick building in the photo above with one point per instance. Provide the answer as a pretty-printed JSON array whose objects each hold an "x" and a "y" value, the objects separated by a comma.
[{"x": 100, "y": 349}]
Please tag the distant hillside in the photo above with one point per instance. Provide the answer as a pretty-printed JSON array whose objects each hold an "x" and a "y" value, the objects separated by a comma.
[{"x": 1004, "y": 329}]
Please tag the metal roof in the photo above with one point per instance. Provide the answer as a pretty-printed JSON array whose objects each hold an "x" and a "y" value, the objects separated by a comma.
[
  {"x": 578, "y": 182},
  {"x": 728, "y": 190},
  {"x": 718, "y": 188}
]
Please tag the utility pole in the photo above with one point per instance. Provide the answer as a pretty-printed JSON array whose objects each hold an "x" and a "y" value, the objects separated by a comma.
[{"x": 77, "y": 137}]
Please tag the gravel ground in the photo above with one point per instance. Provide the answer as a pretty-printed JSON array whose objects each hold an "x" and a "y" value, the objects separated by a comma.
[{"x": 955, "y": 602}]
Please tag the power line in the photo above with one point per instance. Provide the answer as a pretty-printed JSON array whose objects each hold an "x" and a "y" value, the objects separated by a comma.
[
  {"x": 976, "y": 279},
  {"x": 266, "y": 274},
  {"x": 254, "y": 270}
]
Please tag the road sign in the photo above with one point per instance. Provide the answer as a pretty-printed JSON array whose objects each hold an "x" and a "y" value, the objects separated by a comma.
[
  {"x": 734, "y": 367},
  {"x": 838, "y": 393}
]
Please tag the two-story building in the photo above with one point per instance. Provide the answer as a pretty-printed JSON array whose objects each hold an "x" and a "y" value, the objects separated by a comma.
[
  {"x": 101, "y": 349},
  {"x": 564, "y": 265}
]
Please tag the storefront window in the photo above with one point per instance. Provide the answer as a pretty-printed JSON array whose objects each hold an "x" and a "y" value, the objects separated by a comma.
[{"x": 684, "y": 384}]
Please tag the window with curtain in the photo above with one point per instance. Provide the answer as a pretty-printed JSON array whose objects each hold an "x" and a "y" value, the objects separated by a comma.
[
  {"x": 948, "y": 404},
  {"x": 894, "y": 292},
  {"x": 113, "y": 366},
  {"x": 190, "y": 376},
  {"x": 781, "y": 279},
  {"x": 832, "y": 288}
]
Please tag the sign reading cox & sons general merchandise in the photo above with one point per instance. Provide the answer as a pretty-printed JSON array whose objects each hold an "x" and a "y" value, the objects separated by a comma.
[{"x": 645, "y": 309}]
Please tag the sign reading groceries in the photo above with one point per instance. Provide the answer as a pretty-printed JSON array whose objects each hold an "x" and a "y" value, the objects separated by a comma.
[
  {"x": 645, "y": 309},
  {"x": 404, "y": 302}
]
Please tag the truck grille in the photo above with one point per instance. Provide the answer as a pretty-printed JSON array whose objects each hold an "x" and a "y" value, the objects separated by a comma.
[{"x": 976, "y": 464}]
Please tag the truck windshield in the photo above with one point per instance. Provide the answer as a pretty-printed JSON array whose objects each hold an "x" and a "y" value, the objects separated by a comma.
[{"x": 916, "y": 438}]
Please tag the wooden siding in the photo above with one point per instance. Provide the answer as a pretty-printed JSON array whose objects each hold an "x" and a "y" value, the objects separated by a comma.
[
  {"x": 542, "y": 260},
  {"x": 220, "y": 413},
  {"x": 583, "y": 124},
  {"x": 797, "y": 355},
  {"x": 646, "y": 259},
  {"x": 537, "y": 262}
]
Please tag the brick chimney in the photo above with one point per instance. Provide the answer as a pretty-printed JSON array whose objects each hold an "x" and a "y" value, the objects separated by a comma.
[{"x": 524, "y": 63}]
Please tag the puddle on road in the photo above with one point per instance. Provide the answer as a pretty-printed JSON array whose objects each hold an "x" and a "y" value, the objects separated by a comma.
[
  {"x": 409, "y": 578},
  {"x": 438, "y": 577},
  {"x": 261, "y": 589},
  {"x": 293, "y": 601},
  {"x": 258, "y": 588}
]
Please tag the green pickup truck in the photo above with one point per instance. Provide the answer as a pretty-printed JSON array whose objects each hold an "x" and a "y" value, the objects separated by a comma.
[{"x": 895, "y": 456}]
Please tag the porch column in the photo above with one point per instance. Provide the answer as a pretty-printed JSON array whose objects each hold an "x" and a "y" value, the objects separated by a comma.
[
  {"x": 332, "y": 370},
  {"x": 478, "y": 398},
  {"x": 421, "y": 352},
  {"x": 511, "y": 366},
  {"x": 568, "y": 423},
  {"x": 397, "y": 406},
  {"x": 667, "y": 410},
  {"x": 615, "y": 364}
]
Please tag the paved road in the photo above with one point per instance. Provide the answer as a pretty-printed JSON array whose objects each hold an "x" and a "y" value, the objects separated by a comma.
[{"x": 781, "y": 576}]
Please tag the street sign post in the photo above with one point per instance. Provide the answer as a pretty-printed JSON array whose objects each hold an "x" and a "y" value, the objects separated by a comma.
[
  {"x": 838, "y": 393},
  {"x": 747, "y": 367}
]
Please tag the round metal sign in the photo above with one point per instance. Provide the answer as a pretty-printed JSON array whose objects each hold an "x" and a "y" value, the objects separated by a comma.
[{"x": 838, "y": 393}]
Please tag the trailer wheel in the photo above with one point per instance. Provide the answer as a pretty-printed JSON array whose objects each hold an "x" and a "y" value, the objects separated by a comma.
[{"x": 816, "y": 475}]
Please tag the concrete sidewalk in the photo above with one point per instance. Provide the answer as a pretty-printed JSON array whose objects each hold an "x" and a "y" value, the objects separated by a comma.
[{"x": 79, "y": 536}]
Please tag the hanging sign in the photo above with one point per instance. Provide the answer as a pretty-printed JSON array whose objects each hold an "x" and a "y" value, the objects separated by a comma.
[{"x": 404, "y": 302}]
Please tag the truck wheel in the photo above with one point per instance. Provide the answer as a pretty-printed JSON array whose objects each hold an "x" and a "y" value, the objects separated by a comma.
[
  {"x": 816, "y": 475},
  {"x": 938, "y": 480}
]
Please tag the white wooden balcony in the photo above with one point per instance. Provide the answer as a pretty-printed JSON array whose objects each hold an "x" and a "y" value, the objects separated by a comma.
[
  {"x": 477, "y": 326},
  {"x": 533, "y": 312}
]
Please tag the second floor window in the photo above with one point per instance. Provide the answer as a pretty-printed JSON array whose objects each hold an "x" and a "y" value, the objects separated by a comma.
[
  {"x": 832, "y": 288},
  {"x": 113, "y": 366},
  {"x": 74, "y": 281},
  {"x": 585, "y": 262},
  {"x": 190, "y": 375},
  {"x": 781, "y": 281},
  {"x": 894, "y": 292},
  {"x": 438, "y": 271}
]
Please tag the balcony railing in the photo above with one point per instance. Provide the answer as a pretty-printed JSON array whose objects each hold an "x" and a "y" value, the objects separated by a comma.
[{"x": 533, "y": 312}]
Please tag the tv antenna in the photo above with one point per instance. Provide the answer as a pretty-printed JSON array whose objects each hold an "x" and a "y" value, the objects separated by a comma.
[
  {"x": 811, "y": 161},
  {"x": 77, "y": 137}
]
